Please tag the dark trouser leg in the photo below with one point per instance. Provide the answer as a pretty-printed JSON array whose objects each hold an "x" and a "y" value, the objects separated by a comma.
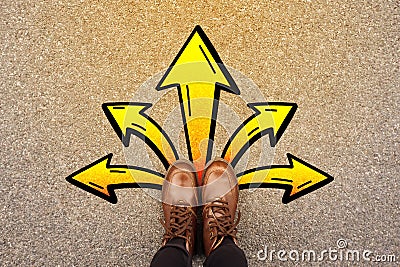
[
  {"x": 173, "y": 254},
  {"x": 228, "y": 254}
]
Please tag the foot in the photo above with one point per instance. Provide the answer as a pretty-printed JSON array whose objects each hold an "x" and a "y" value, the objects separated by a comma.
[
  {"x": 179, "y": 196},
  {"x": 220, "y": 193}
]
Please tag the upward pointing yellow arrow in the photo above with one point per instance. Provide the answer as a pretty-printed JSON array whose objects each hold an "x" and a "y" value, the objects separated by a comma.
[
  {"x": 129, "y": 118},
  {"x": 199, "y": 74},
  {"x": 269, "y": 118}
]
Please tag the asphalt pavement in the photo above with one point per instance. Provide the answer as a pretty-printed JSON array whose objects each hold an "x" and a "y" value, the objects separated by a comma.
[{"x": 61, "y": 60}]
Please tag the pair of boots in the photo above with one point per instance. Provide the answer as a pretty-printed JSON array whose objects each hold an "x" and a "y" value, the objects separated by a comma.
[{"x": 218, "y": 196}]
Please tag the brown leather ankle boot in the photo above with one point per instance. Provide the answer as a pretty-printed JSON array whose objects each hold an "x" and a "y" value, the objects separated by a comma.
[
  {"x": 220, "y": 195},
  {"x": 179, "y": 196}
]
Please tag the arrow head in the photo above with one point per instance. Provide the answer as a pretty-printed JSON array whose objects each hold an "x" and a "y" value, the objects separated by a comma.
[
  {"x": 198, "y": 62},
  {"x": 306, "y": 178},
  {"x": 280, "y": 113},
  {"x": 93, "y": 179},
  {"x": 122, "y": 114}
]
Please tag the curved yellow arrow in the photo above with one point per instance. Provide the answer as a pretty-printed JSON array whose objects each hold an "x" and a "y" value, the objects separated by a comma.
[
  {"x": 129, "y": 118},
  {"x": 269, "y": 118},
  {"x": 298, "y": 178},
  {"x": 199, "y": 75},
  {"x": 101, "y": 179}
]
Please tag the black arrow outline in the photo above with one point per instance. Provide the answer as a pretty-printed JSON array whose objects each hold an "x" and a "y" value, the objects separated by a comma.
[
  {"x": 288, "y": 188},
  {"x": 125, "y": 139},
  {"x": 270, "y": 131},
  {"x": 232, "y": 88},
  {"x": 112, "y": 187}
]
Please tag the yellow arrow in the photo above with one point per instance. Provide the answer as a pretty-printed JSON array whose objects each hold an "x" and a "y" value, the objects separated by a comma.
[
  {"x": 199, "y": 74},
  {"x": 101, "y": 179},
  {"x": 129, "y": 118},
  {"x": 269, "y": 118},
  {"x": 298, "y": 179}
]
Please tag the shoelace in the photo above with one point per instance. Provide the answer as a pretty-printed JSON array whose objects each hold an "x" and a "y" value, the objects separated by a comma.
[
  {"x": 223, "y": 223},
  {"x": 180, "y": 224}
]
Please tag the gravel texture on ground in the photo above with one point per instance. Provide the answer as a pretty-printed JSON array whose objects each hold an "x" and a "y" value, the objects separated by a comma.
[{"x": 60, "y": 60}]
